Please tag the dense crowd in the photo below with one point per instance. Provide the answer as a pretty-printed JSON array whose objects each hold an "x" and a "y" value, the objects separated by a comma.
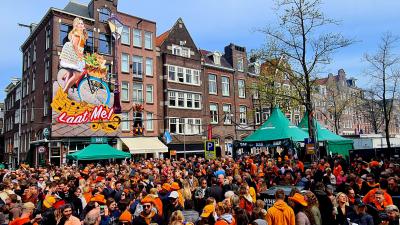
[{"x": 197, "y": 191}]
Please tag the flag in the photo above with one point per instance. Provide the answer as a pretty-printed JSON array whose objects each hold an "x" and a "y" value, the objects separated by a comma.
[
  {"x": 209, "y": 133},
  {"x": 167, "y": 137}
]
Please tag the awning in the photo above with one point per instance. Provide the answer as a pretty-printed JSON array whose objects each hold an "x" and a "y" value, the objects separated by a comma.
[
  {"x": 98, "y": 152},
  {"x": 142, "y": 145}
]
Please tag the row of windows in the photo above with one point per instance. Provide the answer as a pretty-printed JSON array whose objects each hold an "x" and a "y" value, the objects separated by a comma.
[
  {"x": 183, "y": 75},
  {"x": 227, "y": 114},
  {"x": 184, "y": 100},
  {"x": 187, "y": 126},
  {"x": 126, "y": 123},
  {"x": 137, "y": 37},
  {"x": 137, "y": 65},
  {"x": 137, "y": 92}
]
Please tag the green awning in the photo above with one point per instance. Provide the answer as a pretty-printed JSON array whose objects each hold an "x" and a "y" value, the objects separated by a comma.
[
  {"x": 98, "y": 152},
  {"x": 335, "y": 143},
  {"x": 277, "y": 127}
]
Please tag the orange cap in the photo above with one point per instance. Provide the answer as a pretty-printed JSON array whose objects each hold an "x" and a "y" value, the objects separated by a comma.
[
  {"x": 147, "y": 199},
  {"x": 99, "y": 199},
  {"x": 126, "y": 216},
  {"x": 299, "y": 199},
  {"x": 166, "y": 186},
  {"x": 175, "y": 186}
]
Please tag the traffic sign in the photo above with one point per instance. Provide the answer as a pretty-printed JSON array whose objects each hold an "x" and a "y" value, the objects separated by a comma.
[
  {"x": 41, "y": 149},
  {"x": 209, "y": 150}
]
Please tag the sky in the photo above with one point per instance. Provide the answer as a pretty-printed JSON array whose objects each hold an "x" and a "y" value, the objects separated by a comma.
[{"x": 213, "y": 24}]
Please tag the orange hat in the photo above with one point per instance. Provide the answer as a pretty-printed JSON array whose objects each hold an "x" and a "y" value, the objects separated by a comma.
[
  {"x": 208, "y": 209},
  {"x": 126, "y": 216},
  {"x": 373, "y": 164},
  {"x": 99, "y": 199},
  {"x": 49, "y": 201},
  {"x": 58, "y": 204},
  {"x": 166, "y": 186},
  {"x": 299, "y": 199},
  {"x": 147, "y": 199},
  {"x": 261, "y": 174},
  {"x": 175, "y": 186}
]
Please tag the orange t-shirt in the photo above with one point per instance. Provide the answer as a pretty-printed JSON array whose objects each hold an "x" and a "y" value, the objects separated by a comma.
[{"x": 20, "y": 221}]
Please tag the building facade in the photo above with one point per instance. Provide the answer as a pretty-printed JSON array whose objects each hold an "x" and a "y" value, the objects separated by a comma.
[
  {"x": 136, "y": 74},
  {"x": 12, "y": 118},
  {"x": 179, "y": 62}
]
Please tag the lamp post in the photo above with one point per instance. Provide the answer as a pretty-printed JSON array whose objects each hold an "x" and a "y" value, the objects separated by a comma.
[{"x": 116, "y": 27}]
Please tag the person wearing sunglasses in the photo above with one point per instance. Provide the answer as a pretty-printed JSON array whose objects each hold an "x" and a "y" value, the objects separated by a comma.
[{"x": 148, "y": 215}]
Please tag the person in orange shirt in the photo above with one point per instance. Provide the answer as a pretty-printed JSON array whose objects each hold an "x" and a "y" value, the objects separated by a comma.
[
  {"x": 300, "y": 164},
  {"x": 337, "y": 169},
  {"x": 370, "y": 196},
  {"x": 27, "y": 211}
]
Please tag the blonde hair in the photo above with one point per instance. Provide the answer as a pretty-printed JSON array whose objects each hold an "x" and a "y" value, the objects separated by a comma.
[
  {"x": 176, "y": 216},
  {"x": 83, "y": 34},
  {"x": 186, "y": 192},
  {"x": 337, "y": 198}
]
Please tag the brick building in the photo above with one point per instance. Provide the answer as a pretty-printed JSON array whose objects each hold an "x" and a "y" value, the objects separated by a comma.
[
  {"x": 12, "y": 117},
  {"x": 179, "y": 63},
  {"x": 137, "y": 78}
]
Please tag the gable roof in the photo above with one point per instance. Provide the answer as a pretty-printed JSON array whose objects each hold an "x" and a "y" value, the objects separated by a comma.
[
  {"x": 161, "y": 38},
  {"x": 77, "y": 8},
  {"x": 209, "y": 60}
]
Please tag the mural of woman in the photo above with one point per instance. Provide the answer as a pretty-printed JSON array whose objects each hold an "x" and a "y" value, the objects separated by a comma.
[{"x": 72, "y": 54}]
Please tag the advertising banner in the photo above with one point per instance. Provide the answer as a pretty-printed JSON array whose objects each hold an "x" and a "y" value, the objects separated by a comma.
[{"x": 82, "y": 101}]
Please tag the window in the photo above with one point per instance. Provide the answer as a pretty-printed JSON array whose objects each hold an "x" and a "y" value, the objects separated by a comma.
[
  {"x": 226, "y": 108},
  {"x": 255, "y": 91},
  {"x": 257, "y": 116},
  {"x": 125, "y": 123},
  {"x": 18, "y": 93},
  {"x": 25, "y": 63},
  {"x": 242, "y": 115},
  {"x": 149, "y": 121},
  {"x": 104, "y": 14},
  {"x": 125, "y": 91},
  {"x": 181, "y": 126},
  {"x": 241, "y": 89},
  {"x": 137, "y": 92},
  {"x": 212, "y": 84},
  {"x": 149, "y": 67},
  {"x": 214, "y": 113},
  {"x": 34, "y": 52},
  {"x": 125, "y": 63},
  {"x": 89, "y": 46},
  {"x": 181, "y": 99},
  {"x": 189, "y": 100},
  {"x": 148, "y": 40},
  {"x": 104, "y": 44},
  {"x": 137, "y": 37},
  {"x": 45, "y": 105},
  {"x": 181, "y": 51},
  {"x": 196, "y": 77},
  {"x": 225, "y": 86},
  {"x": 64, "y": 31},
  {"x": 137, "y": 66},
  {"x": 172, "y": 98},
  {"x": 171, "y": 73},
  {"x": 180, "y": 75},
  {"x": 197, "y": 101},
  {"x": 126, "y": 36},
  {"x": 33, "y": 80},
  {"x": 172, "y": 125},
  {"x": 240, "y": 65},
  {"x": 188, "y": 76},
  {"x": 16, "y": 117},
  {"x": 27, "y": 85},
  {"x": 47, "y": 70},
  {"x": 33, "y": 110},
  {"x": 149, "y": 93},
  {"x": 48, "y": 36}
]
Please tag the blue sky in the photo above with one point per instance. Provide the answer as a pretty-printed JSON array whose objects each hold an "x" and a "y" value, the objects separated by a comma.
[{"x": 214, "y": 24}]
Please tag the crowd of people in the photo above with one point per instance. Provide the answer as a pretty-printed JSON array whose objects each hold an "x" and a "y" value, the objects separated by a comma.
[{"x": 196, "y": 191}]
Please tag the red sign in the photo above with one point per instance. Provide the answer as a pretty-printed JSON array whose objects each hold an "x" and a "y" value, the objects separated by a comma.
[{"x": 209, "y": 134}]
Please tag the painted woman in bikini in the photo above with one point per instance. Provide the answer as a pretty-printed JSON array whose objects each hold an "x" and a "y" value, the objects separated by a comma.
[{"x": 77, "y": 37}]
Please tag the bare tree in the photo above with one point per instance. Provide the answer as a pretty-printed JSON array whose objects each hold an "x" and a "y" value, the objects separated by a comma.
[
  {"x": 383, "y": 69},
  {"x": 302, "y": 39},
  {"x": 371, "y": 110}
]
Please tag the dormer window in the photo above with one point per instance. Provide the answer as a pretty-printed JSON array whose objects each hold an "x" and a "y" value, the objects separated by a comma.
[
  {"x": 257, "y": 68},
  {"x": 217, "y": 58},
  {"x": 181, "y": 51}
]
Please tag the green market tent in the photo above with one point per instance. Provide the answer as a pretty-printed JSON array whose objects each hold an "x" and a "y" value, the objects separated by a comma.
[
  {"x": 98, "y": 152},
  {"x": 277, "y": 127},
  {"x": 334, "y": 142}
]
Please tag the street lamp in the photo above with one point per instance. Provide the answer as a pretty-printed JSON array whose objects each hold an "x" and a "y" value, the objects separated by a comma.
[{"x": 116, "y": 27}]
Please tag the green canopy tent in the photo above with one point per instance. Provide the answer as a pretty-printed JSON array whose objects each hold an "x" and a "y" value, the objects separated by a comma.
[
  {"x": 277, "y": 127},
  {"x": 98, "y": 152},
  {"x": 334, "y": 143}
]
